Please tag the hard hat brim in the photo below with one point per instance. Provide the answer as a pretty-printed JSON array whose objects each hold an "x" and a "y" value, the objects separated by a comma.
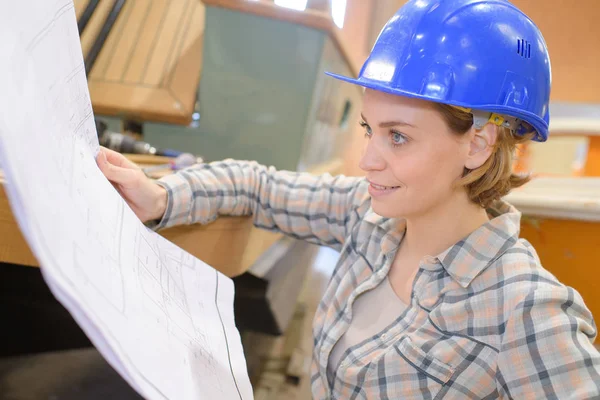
[{"x": 540, "y": 126}]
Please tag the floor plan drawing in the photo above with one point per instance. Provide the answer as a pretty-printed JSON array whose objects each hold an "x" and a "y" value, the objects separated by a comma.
[{"x": 161, "y": 317}]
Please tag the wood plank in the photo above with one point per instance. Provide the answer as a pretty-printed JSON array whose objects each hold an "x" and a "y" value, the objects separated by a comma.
[
  {"x": 145, "y": 44},
  {"x": 166, "y": 42},
  {"x": 13, "y": 247},
  {"x": 106, "y": 55},
  {"x": 80, "y": 6},
  {"x": 189, "y": 56},
  {"x": 94, "y": 25},
  {"x": 136, "y": 101},
  {"x": 134, "y": 15},
  {"x": 149, "y": 67}
]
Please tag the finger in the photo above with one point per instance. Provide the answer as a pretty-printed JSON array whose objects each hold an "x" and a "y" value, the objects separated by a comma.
[
  {"x": 123, "y": 176},
  {"x": 117, "y": 159}
]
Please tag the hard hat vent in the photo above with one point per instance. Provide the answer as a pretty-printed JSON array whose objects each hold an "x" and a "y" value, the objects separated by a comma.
[{"x": 524, "y": 48}]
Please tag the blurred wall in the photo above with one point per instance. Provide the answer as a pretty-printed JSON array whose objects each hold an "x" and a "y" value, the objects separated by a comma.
[
  {"x": 356, "y": 32},
  {"x": 572, "y": 34}
]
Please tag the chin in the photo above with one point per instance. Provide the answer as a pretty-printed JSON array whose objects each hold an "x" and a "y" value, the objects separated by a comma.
[
  {"x": 387, "y": 210},
  {"x": 399, "y": 207}
]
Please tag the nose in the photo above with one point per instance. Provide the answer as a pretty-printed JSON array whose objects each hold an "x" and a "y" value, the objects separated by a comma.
[{"x": 371, "y": 159}]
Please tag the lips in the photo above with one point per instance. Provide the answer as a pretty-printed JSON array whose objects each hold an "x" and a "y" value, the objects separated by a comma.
[
  {"x": 376, "y": 190},
  {"x": 381, "y": 187}
]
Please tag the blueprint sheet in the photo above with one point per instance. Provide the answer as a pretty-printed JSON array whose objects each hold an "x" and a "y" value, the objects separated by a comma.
[{"x": 162, "y": 318}]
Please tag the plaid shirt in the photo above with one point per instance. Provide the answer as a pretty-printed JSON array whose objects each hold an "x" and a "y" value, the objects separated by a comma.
[{"x": 485, "y": 320}]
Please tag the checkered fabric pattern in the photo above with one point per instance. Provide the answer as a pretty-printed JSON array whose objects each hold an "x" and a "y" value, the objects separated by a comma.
[{"x": 485, "y": 320}]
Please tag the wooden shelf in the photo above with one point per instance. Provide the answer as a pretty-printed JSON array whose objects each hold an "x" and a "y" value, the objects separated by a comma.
[
  {"x": 149, "y": 67},
  {"x": 574, "y": 118},
  {"x": 576, "y": 198},
  {"x": 575, "y": 126}
]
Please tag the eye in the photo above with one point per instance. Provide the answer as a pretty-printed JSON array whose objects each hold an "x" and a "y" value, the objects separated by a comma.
[
  {"x": 368, "y": 130},
  {"x": 398, "y": 139}
]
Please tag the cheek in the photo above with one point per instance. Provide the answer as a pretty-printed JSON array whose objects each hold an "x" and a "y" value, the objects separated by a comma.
[
  {"x": 427, "y": 178},
  {"x": 427, "y": 172},
  {"x": 447, "y": 164}
]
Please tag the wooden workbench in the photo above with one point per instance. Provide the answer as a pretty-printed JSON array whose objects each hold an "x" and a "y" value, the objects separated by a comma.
[{"x": 229, "y": 244}]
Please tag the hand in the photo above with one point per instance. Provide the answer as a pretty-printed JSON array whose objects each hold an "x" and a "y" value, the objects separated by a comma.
[{"x": 147, "y": 199}]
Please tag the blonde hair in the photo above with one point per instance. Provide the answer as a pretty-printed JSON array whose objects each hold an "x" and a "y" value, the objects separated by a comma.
[{"x": 495, "y": 178}]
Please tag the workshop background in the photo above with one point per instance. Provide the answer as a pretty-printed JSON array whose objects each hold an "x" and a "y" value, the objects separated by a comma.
[{"x": 212, "y": 78}]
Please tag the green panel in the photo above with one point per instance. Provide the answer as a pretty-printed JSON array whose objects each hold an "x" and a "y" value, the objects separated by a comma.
[
  {"x": 256, "y": 88},
  {"x": 335, "y": 110},
  {"x": 113, "y": 124}
]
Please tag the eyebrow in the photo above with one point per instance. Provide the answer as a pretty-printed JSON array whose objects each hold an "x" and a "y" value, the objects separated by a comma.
[{"x": 389, "y": 124}]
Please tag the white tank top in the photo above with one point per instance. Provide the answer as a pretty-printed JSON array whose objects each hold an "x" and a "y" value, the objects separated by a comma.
[{"x": 365, "y": 322}]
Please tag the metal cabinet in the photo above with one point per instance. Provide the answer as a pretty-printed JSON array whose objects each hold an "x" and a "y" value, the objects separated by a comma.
[{"x": 263, "y": 95}]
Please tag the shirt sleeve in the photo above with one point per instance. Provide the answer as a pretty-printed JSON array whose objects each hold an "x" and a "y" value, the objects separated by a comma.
[
  {"x": 547, "y": 350},
  {"x": 320, "y": 209}
]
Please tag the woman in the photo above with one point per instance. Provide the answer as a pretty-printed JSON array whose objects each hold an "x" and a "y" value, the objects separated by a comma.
[{"x": 434, "y": 295}]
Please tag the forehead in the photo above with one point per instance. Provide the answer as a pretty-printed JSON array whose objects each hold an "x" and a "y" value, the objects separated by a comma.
[
  {"x": 380, "y": 107},
  {"x": 376, "y": 102}
]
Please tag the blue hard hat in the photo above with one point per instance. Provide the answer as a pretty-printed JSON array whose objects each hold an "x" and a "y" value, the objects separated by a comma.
[{"x": 476, "y": 54}]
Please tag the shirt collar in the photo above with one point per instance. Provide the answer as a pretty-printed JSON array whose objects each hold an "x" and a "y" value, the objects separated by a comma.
[
  {"x": 470, "y": 256},
  {"x": 466, "y": 259},
  {"x": 394, "y": 229}
]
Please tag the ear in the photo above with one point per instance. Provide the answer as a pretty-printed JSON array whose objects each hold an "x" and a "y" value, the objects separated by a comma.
[{"x": 481, "y": 145}]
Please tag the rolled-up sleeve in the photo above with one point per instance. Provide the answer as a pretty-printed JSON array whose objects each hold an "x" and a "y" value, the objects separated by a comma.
[
  {"x": 547, "y": 350},
  {"x": 317, "y": 208}
]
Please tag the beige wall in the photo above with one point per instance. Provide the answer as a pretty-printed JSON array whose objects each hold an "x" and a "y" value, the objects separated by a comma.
[
  {"x": 572, "y": 33},
  {"x": 355, "y": 33}
]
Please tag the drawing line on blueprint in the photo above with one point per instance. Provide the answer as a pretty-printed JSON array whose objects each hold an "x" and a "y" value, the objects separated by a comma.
[
  {"x": 44, "y": 31},
  {"x": 169, "y": 268},
  {"x": 109, "y": 256},
  {"x": 168, "y": 279},
  {"x": 44, "y": 247},
  {"x": 225, "y": 334}
]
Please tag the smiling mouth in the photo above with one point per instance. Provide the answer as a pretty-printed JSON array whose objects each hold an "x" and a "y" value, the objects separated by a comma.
[{"x": 380, "y": 187}]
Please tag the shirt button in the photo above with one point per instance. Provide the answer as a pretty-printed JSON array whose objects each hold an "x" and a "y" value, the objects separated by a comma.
[{"x": 384, "y": 336}]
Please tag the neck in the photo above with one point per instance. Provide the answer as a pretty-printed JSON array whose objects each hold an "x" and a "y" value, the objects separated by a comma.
[{"x": 443, "y": 226}]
